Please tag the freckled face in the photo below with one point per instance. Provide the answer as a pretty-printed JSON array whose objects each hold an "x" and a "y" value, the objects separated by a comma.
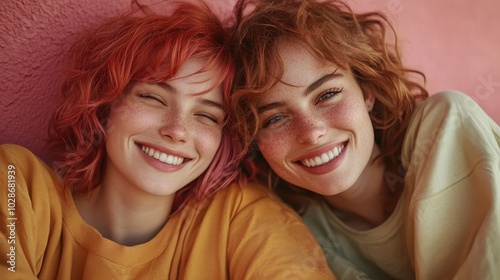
[
  {"x": 160, "y": 137},
  {"x": 315, "y": 130}
]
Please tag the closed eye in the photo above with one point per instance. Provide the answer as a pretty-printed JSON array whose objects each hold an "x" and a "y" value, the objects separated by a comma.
[
  {"x": 209, "y": 117},
  {"x": 152, "y": 97}
]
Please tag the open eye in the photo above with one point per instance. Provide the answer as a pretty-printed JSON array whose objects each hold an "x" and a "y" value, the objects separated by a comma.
[
  {"x": 329, "y": 94},
  {"x": 272, "y": 120}
]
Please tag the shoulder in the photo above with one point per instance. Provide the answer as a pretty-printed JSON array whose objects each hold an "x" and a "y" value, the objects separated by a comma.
[
  {"x": 449, "y": 112},
  {"x": 448, "y": 122},
  {"x": 449, "y": 96},
  {"x": 447, "y": 104},
  {"x": 34, "y": 205},
  {"x": 267, "y": 239},
  {"x": 248, "y": 191},
  {"x": 240, "y": 196},
  {"x": 32, "y": 177},
  {"x": 248, "y": 201},
  {"x": 16, "y": 152},
  {"x": 449, "y": 127},
  {"x": 13, "y": 154},
  {"x": 26, "y": 165}
]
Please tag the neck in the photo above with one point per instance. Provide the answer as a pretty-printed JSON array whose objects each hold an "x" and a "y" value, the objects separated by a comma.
[
  {"x": 124, "y": 214},
  {"x": 364, "y": 205}
]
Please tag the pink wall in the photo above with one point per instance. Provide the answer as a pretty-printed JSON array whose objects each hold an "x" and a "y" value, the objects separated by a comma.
[
  {"x": 456, "y": 43},
  {"x": 452, "y": 41}
]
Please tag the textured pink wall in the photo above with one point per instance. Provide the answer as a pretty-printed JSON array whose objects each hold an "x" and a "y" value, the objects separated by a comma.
[
  {"x": 452, "y": 41},
  {"x": 456, "y": 43}
]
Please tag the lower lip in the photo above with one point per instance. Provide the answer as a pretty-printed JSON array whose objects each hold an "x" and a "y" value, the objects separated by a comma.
[
  {"x": 160, "y": 165},
  {"x": 327, "y": 167}
]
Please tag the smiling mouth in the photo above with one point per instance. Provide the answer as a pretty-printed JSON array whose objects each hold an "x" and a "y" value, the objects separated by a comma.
[
  {"x": 165, "y": 158},
  {"x": 324, "y": 158}
]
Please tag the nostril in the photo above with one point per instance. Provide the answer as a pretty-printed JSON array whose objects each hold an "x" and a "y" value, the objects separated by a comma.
[
  {"x": 311, "y": 132},
  {"x": 174, "y": 131}
]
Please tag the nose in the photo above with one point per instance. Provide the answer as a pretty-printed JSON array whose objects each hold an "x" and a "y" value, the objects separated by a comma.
[
  {"x": 174, "y": 127},
  {"x": 309, "y": 129}
]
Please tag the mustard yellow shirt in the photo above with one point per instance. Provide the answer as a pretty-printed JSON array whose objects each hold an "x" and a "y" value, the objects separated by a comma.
[{"x": 241, "y": 233}]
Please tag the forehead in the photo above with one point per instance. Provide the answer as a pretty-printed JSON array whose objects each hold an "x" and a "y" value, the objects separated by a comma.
[
  {"x": 300, "y": 67},
  {"x": 193, "y": 79}
]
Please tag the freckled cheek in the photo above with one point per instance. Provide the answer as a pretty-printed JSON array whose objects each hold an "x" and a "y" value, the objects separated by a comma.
[
  {"x": 207, "y": 138},
  {"x": 121, "y": 123},
  {"x": 131, "y": 116},
  {"x": 343, "y": 117},
  {"x": 274, "y": 145},
  {"x": 353, "y": 118}
]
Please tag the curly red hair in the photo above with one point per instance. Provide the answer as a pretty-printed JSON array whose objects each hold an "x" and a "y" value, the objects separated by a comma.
[
  {"x": 139, "y": 46},
  {"x": 334, "y": 33}
]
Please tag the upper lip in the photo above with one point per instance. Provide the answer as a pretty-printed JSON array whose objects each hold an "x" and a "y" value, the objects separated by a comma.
[
  {"x": 320, "y": 150},
  {"x": 165, "y": 150}
]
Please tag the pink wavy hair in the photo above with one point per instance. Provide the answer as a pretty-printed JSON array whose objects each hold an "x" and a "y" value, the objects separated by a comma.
[{"x": 139, "y": 46}]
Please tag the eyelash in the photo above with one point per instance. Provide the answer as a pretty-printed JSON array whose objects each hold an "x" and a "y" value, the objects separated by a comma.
[
  {"x": 328, "y": 94},
  {"x": 214, "y": 119},
  {"x": 272, "y": 120},
  {"x": 150, "y": 96}
]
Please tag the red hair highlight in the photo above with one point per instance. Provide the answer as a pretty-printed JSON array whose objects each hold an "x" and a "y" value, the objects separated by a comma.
[{"x": 138, "y": 46}]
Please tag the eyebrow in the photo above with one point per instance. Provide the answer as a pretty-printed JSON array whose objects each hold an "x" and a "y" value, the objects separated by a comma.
[
  {"x": 321, "y": 81},
  {"x": 312, "y": 87},
  {"x": 211, "y": 103},
  {"x": 204, "y": 101},
  {"x": 166, "y": 86},
  {"x": 269, "y": 106}
]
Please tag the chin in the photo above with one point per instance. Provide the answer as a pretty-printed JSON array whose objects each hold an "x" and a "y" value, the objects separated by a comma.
[
  {"x": 333, "y": 189},
  {"x": 329, "y": 192}
]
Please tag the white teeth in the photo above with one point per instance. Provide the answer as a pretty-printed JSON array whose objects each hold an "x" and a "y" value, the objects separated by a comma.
[
  {"x": 317, "y": 160},
  {"x": 163, "y": 157},
  {"x": 324, "y": 157},
  {"x": 169, "y": 159},
  {"x": 331, "y": 155}
]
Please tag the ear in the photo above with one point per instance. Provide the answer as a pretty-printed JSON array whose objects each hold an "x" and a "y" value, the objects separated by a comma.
[
  {"x": 369, "y": 100},
  {"x": 368, "y": 96}
]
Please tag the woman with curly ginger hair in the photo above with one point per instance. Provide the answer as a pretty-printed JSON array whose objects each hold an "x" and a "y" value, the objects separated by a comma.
[
  {"x": 350, "y": 138},
  {"x": 147, "y": 167}
]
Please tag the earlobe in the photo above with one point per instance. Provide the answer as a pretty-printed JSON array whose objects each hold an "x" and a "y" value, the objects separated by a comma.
[
  {"x": 369, "y": 101},
  {"x": 368, "y": 96}
]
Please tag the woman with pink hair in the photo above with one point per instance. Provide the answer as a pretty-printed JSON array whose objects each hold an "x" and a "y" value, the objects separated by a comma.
[{"x": 146, "y": 182}]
